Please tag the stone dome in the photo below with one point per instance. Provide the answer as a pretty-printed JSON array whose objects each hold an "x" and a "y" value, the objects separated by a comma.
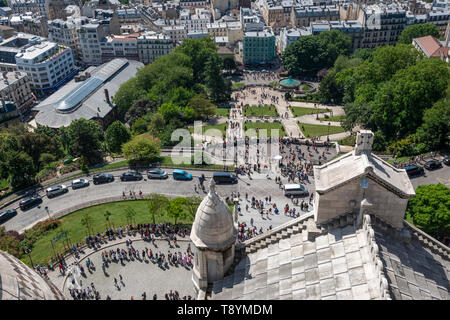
[
  {"x": 213, "y": 226},
  {"x": 20, "y": 282}
]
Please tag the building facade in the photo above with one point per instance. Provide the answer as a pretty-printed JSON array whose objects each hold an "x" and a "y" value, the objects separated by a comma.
[
  {"x": 151, "y": 45},
  {"x": 259, "y": 47},
  {"x": 16, "y": 88}
]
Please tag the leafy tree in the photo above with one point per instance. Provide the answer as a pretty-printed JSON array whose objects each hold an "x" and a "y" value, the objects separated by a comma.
[
  {"x": 176, "y": 209},
  {"x": 229, "y": 64},
  {"x": 116, "y": 135},
  {"x": 46, "y": 130},
  {"x": 156, "y": 204},
  {"x": 180, "y": 96},
  {"x": 35, "y": 144},
  {"x": 84, "y": 136},
  {"x": 142, "y": 148},
  {"x": 312, "y": 53},
  {"x": 128, "y": 92},
  {"x": 157, "y": 124},
  {"x": 107, "y": 216},
  {"x": 435, "y": 128},
  {"x": 170, "y": 111},
  {"x": 139, "y": 126},
  {"x": 417, "y": 31},
  {"x": 203, "y": 108},
  {"x": 20, "y": 169},
  {"x": 430, "y": 209},
  {"x": 86, "y": 221},
  {"x": 139, "y": 108},
  {"x": 219, "y": 88},
  {"x": 191, "y": 204},
  {"x": 199, "y": 51},
  {"x": 363, "y": 53}
]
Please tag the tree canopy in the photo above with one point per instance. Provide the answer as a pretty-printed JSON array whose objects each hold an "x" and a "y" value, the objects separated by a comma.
[
  {"x": 309, "y": 54},
  {"x": 417, "y": 31},
  {"x": 84, "y": 138},
  {"x": 115, "y": 135},
  {"x": 142, "y": 148},
  {"x": 430, "y": 209}
]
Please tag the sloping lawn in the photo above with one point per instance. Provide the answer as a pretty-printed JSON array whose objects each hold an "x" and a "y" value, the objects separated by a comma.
[
  {"x": 222, "y": 112},
  {"x": 255, "y": 111},
  {"x": 221, "y": 126},
  {"x": 317, "y": 130},
  {"x": 266, "y": 125}
]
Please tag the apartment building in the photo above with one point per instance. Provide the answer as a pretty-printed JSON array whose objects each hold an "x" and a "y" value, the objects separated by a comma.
[
  {"x": 10, "y": 47},
  {"x": 48, "y": 64},
  {"x": 119, "y": 46},
  {"x": 290, "y": 35},
  {"x": 304, "y": 16},
  {"x": 197, "y": 21},
  {"x": 259, "y": 47},
  {"x": 66, "y": 33},
  {"x": 15, "y": 87},
  {"x": 152, "y": 45},
  {"x": 33, "y": 23},
  {"x": 382, "y": 24},
  {"x": 187, "y": 4},
  {"x": 129, "y": 16},
  {"x": 176, "y": 33}
]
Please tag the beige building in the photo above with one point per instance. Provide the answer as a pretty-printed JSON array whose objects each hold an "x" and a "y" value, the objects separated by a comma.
[
  {"x": 304, "y": 16},
  {"x": 15, "y": 87},
  {"x": 151, "y": 45},
  {"x": 6, "y": 32}
]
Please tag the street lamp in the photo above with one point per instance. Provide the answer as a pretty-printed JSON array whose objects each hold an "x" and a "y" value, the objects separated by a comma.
[
  {"x": 48, "y": 212},
  {"x": 28, "y": 252},
  {"x": 328, "y": 135}
]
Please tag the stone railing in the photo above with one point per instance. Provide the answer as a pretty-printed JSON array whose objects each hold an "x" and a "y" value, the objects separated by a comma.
[
  {"x": 285, "y": 230},
  {"x": 376, "y": 261}
]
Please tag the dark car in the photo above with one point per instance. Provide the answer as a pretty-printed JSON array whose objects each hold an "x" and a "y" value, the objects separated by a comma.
[
  {"x": 102, "y": 178},
  {"x": 224, "y": 177},
  {"x": 446, "y": 161},
  {"x": 30, "y": 202},
  {"x": 432, "y": 165},
  {"x": 157, "y": 174},
  {"x": 413, "y": 170},
  {"x": 130, "y": 176},
  {"x": 6, "y": 215}
]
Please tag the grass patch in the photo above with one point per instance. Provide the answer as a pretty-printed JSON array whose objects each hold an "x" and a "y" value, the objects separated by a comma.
[
  {"x": 335, "y": 118},
  {"x": 237, "y": 85},
  {"x": 4, "y": 183},
  {"x": 302, "y": 111},
  {"x": 42, "y": 250},
  {"x": 273, "y": 84},
  {"x": 255, "y": 111},
  {"x": 315, "y": 130},
  {"x": 305, "y": 87},
  {"x": 266, "y": 125},
  {"x": 221, "y": 126},
  {"x": 348, "y": 141},
  {"x": 222, "y": 112}
]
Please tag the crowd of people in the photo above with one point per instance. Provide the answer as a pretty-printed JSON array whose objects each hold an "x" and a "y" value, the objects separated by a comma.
[{"x": 260, "y": 75}]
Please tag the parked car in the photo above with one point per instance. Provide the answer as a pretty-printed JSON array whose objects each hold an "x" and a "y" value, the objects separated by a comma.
[
  {"x": 157, "y": 174},
  {"x": 413, "y": 170},
  {"x": 80, "y": 183},
  {"x": 446, "y": 161},
  {"x": 56, "y": 190},
  {"x": 224, "y": 177},
  {"x": 181, "y": 175},
  {"x": 130, "y": 176},
  {"x": 102, "y": 178},
  {"x": 295, "y": 190},
  {"x": 30, "y": 202},
  {"x": 433, "y": 164},
  {"x": 6, "y": 215}
]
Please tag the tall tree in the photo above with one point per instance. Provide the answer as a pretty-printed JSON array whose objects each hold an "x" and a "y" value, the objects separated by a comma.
[
  {"x": 142, "y": 148},
  {"x": 202, "y": 107},
  {"x": 139, "y": 108},
  {"x": 156, "y": 205},
  {"x": 435, "y": 129},
  {"x": 116, "y": 135},
  {"x": 219, "y": 88},
  {"x": 84, "y": 139},
  {"x": 417, "y": 31}
]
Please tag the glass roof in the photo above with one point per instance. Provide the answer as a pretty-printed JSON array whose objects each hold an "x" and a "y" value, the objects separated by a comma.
[{"x": 74, "y": 97}]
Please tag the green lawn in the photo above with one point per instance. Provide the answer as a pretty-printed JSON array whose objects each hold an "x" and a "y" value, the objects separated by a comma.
[
  {"x": 255, "y": 111},
  {"x": 306, "y": 87},
  {"x": 4, "y": 183},
  {"x": 223, "y": 112},
  {"x": 315, "y": 130},
  {"x": 266, "y": 125},
  {"x": 42, "y": 250},
  {"x": 301, "y": 111},
  {"x": 335, "y": 118},
  {"x": 221, "y": 126},
  {"x": 237, "y": 85}
]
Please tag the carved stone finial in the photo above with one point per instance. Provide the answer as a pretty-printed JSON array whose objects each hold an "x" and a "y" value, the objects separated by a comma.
[{"x": 212, "y": 186}]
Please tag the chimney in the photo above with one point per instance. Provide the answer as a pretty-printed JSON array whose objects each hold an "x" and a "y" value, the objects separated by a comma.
[
  {"x": 107, "y": 96},
  {"x": 364, "y": 142}
]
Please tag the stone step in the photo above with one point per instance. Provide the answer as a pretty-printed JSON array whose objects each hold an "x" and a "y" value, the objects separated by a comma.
[
  {"x": 296, "y": 229},
  {"x": 284, "y": 234}
]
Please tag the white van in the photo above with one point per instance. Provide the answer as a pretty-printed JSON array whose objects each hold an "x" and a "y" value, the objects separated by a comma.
[{"x": 295, "y": 190}]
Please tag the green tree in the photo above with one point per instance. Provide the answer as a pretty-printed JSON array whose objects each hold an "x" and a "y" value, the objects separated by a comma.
[
  {"x": 84, "y": 136},
  {"x": 157, "y": 124},
  {"x": 176, "y": 209},
  {"x": 116, "y": 135},
  {"x": 203, "y": 108},
  {"x": 417, "y": 31},
  {"x": 229, "y": 64},
  {"x": 156, "y": 205},
  {"x": 435, "y": 128},
  {"x": 142, "y": 148},
  {"x": 35, "y": 144},
  {"x": 130, "y": 214},
  {"x": 139, "y": 126},
  {"x": 219, "y": 88},
  {"x": 107, "y": 216},
  {"x": 430, "y": 209},
  {"x": 21, "y": 170},
  {"x": 363, "y": 53},
  {"x": 128, "y": 92},
  {"x": 86, "y": 221},
  {"x": 139, "y": 108},
  {"x": 191, "y": 204}
]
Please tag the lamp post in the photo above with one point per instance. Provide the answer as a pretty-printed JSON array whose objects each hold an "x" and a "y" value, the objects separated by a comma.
[
  {"x": 48, "y": 212},
  {"x": 328, "y": 134},
  {"x": 28, "y": 252}
]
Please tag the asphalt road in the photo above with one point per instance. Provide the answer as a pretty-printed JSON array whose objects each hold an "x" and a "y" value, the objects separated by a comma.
[{"x": 259, "y": 186}]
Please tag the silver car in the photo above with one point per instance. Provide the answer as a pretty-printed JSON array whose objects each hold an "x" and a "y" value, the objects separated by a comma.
[
  {"x": 56, "y": 190},
  {"x": 157, "y": 174},
  {"x": 80, "y": 183}
]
